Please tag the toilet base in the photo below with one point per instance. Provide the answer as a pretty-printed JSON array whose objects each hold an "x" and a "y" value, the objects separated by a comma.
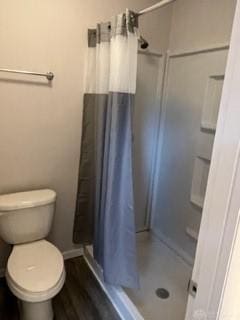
[{"x": 36, "y": 310}]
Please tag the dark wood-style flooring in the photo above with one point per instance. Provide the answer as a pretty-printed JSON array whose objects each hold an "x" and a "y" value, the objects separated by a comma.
[{"x": 80, "y": 299}]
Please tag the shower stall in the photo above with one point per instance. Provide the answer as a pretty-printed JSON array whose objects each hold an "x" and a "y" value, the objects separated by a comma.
[
  {"x": 180, "y": 77},
  {"x": 172, "y": 159}
]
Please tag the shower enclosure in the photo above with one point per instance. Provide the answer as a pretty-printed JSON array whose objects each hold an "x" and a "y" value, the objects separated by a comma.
[
  {"x": 176, "y": 111},
  {"x": 179, "y": 87},
  {"x": 171, "y": 170}
]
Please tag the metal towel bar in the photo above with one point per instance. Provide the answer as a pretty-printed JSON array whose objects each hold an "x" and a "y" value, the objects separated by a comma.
[{"x": 48, "y": 75}]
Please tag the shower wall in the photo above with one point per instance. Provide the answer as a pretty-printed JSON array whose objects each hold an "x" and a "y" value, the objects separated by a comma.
[
  {"x": 193, "y": 86},
  {"x": 146, "y": 115},
  {"x": 146, "y": 110}
]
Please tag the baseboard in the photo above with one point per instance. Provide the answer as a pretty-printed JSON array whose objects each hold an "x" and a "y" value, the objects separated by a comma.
[
  {"x": 174, "y": 247},
  {"x": 119, "y": 299},
  {"x": 73, "y": 253}
]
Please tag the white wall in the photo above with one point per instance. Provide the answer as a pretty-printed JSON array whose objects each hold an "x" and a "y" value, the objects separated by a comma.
[
  {"x": 195, "y": 24},
  {"x": 186, "y": 149},
  {"x": 155, "y": 28},
  {"x": 40, "y": 125},
  {"x": 145, "y": 124},
  {"x": 147, "y": 101},
  {"x": 230, "y": 308},
  {"x": 216, "y": 267},
  {"x": 199, "y": 23}
]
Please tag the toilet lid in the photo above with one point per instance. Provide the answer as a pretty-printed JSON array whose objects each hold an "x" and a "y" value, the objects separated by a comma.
[{"x": 36, "y": 266}]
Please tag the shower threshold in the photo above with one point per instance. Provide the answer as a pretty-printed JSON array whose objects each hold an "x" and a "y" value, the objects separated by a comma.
[{"x": 118, "y": 297}]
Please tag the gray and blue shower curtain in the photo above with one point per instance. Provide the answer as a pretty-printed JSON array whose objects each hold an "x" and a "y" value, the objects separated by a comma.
[{"x": 105, "y": 205}]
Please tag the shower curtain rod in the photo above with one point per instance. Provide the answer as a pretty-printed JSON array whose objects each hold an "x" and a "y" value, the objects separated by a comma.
[{"x": 155, "y": 6}]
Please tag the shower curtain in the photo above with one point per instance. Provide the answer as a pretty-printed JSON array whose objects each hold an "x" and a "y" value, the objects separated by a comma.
[{"x": 105, "y": 204}]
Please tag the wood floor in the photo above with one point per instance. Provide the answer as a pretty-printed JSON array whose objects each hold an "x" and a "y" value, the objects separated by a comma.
[{"x": 80, "y": 299}]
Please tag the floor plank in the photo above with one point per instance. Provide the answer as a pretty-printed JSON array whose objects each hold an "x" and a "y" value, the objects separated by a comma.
[
  {"x": 8, "y": 303},
  {"x": 80, "y": 299}
]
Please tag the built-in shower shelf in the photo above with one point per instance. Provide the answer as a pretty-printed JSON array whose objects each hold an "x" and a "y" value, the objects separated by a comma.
[
  {"x": 192, "y": 233},
  {"x": 212, "y": 102},
  {"x": 199, "y": 182},
  {"x": 208, "y": 126},
  {"x": 205, "y": 145},
  {"x": 197, "y": 200}
]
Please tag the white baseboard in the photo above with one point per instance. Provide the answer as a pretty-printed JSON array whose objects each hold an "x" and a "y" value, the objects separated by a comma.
[
  {"x": 73, "y": 253},
  {"x": 119, "y": 299},
  {"x": 174, "y": 247}
]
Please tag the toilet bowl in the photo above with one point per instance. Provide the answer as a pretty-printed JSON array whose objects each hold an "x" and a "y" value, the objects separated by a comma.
[
  {"x": 35, "y": 274},
  {"x": 35, "y": 270}
]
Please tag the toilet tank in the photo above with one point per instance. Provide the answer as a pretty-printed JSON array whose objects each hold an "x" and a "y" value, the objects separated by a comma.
[{"x": 26, "y": 216}]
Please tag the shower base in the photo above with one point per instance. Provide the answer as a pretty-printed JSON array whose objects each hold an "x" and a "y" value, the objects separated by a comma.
[{"x": 160, "y": 268}]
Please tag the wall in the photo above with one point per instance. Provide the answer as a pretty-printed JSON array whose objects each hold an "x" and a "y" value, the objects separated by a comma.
[
  {"x": 230, "y": 303},
  {"x": 40, "y": 124},
  {"x": 195, "y": 24},
  {"x": 230, "y": 307},
  {"x": 155, "y": 27},
  {"x": 145, "y": 124},
  {"x": 151, "y": 63},
  {"x": 201, "y": 23}
]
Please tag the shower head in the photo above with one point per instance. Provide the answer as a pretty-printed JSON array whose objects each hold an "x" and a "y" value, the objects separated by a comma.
[{"x": 143, "y": 43}]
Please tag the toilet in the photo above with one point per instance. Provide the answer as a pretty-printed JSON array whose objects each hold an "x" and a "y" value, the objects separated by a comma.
[{"x": 35, "y": 270}]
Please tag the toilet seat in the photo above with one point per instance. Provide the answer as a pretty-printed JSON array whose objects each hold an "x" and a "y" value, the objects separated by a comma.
[{"x": 35, "y": 271}]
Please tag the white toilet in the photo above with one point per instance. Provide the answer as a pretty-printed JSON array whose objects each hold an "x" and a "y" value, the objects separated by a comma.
[{"x": 35, "y": 269}]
